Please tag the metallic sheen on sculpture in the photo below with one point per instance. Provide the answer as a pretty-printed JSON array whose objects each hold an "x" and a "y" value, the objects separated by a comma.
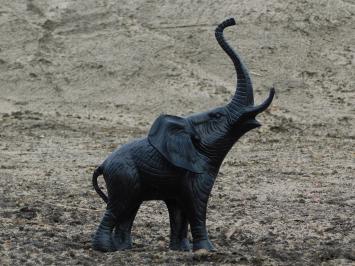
[{"x": 177, "y": 162}]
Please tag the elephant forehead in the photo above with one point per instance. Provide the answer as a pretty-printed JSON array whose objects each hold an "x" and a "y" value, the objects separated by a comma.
[
  {"x": 199, "y": 117},
  {"x": 205, "y": 116}
]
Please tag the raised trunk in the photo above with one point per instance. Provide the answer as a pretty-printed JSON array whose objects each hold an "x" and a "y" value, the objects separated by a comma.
[{"x": 244, "y": 91}]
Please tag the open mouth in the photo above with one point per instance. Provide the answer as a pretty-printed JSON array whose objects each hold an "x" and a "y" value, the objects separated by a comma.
[{"x": 252, "y": 123}]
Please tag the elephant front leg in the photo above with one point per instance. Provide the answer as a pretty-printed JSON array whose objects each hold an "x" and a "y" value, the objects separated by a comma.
[
  {"x": 178, "y": 227},
  {"x": 200, "y": 237},
  {"x": 197, "y": 218},
  {"x": 196, "y": 197}
]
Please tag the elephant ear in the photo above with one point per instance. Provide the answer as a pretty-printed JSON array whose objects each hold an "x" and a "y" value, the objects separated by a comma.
[{"x": 171, "y": 136}]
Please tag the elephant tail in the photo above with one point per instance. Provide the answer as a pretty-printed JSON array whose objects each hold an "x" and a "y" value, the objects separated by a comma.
[{"x": 98, "y": 171}]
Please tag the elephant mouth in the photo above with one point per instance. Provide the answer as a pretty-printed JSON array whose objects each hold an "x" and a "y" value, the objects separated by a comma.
[{"x": 252, "y": 123}]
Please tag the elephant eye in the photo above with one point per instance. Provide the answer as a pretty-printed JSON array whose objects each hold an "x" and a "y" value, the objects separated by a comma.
[{"x": 216, "y": 115}]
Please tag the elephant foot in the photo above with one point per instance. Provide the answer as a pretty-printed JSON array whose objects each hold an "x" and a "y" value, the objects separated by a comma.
[
  {"x": 122, "y": 240},
  {"x": 103, "y": 242},
  {"x": 180, "y": 245},
  {"x": 203, "y": 245}
]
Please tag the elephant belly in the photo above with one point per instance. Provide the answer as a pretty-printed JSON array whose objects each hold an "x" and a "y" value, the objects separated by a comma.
[{"x": 159, "y": 178}]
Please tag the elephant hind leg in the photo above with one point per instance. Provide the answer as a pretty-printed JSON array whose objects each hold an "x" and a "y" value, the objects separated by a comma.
[
  {"x": 123, "y": 190},
  {"x": 102, "y": 240},
  {"x": 122, "y": 234}
]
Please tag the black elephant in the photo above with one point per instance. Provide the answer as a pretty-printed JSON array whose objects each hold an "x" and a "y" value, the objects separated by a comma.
[{"x": 177, "y": 163}]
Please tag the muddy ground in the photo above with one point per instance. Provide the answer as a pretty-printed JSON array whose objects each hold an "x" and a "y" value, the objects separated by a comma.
[{"x": 78, "y": 78}]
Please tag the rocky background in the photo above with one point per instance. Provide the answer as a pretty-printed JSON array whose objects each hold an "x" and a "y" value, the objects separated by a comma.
[{"x": 79, "y": 78}]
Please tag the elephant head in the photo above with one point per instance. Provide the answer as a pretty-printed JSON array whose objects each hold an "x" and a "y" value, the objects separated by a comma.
[{"x": 199, "y": 142}]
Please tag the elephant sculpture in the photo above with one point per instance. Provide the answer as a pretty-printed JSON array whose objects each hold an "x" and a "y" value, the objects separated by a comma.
[{"x": 178, "y": 163}]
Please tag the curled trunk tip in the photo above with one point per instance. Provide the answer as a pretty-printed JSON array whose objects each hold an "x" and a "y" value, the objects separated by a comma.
[{"x": 225, "y": 24}]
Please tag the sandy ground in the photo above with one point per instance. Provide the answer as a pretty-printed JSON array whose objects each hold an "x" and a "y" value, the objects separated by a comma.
[{"x": 78, "y": 78}]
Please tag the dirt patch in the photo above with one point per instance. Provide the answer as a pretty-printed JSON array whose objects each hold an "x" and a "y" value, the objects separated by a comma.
[{"x": 78, "y": 78}]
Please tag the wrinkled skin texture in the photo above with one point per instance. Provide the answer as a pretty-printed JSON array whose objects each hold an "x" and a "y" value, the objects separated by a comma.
[{"x": 177, "y": 163}]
